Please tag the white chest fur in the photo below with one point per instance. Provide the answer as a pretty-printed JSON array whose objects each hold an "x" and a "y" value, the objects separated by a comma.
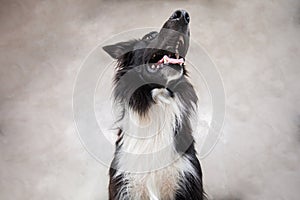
[{"x": 152, "y": 167}]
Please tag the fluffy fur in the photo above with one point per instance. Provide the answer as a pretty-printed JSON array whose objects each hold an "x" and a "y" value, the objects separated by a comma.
[{"x": 155, "y": 156}]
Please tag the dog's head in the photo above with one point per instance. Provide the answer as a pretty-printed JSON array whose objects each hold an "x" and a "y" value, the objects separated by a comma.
[
  {"x": 154, "y": 62},
  {"x": 159, "y": 56}
]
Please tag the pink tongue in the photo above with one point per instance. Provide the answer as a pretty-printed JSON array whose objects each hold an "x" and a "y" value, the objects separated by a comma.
[{"x": 170, "y": 60}]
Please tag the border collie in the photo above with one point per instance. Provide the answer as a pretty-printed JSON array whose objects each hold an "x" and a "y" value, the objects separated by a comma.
[{"x": 155, "y": 157}]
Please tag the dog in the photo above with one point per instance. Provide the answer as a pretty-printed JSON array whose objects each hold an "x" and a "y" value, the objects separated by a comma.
[{"x": 155, "y": 157}]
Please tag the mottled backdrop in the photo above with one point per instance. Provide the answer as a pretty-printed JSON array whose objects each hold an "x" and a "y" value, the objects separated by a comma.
[{"x": 255, "y": 45}]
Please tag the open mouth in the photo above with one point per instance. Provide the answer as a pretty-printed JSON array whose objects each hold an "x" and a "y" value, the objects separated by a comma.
[
  {"x": 163, "y": 57},
  {"x": 171, "y": 44}
]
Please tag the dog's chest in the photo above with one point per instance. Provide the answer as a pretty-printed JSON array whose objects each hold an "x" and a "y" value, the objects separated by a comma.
[
  {"x": 161, "y": 184},
  {"x": 152, "y": 165}
]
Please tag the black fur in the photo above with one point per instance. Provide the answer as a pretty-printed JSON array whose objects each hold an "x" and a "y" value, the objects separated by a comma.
[{"x": 134, "y": 81}]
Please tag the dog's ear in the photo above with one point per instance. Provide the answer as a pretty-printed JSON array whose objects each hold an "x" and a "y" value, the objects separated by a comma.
[{"x": 119, "y": 49}]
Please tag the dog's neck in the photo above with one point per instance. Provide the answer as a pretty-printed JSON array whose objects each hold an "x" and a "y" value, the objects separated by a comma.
[
  {"x": 152, "y": 166},
  {"x": 151, "y": 134}
]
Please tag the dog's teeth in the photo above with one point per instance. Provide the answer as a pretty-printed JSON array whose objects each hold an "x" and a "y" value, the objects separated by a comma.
[{"x": 152, "y": 66}]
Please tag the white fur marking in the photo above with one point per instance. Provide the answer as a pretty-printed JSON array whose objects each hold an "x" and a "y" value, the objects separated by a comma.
[
  {"x": 150, "y": 139},
  {"x": 176, "y": 76}
]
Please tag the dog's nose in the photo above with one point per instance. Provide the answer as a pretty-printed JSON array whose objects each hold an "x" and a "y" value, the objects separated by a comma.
[{"x": 181, "y": 15}]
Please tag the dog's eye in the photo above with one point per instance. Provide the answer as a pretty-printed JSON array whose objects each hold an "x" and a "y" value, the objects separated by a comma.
[
  {"x": 152, "y": 68},
  {"x": 150, "y": 36}
]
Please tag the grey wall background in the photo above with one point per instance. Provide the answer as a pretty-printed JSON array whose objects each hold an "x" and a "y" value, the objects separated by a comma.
[{"x": 255, "y": 45}]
